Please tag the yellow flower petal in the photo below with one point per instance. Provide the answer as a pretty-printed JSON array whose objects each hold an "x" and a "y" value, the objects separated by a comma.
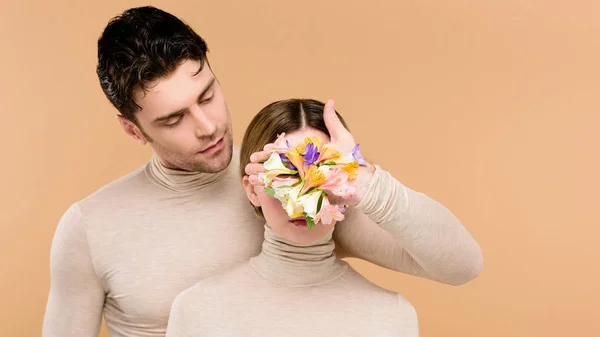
[
  {"x": 329, "y": 154},
  {"x": 296, "y": 160},
  {"x": 301, "y": 148},
  {"x": 351, "y": 169},
  {"x": 315, "y": 140},
  {"x": 312, "y": 178}
]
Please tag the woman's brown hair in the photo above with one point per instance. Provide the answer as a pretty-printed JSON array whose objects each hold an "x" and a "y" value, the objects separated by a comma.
[{"x": 279, "y": 117}]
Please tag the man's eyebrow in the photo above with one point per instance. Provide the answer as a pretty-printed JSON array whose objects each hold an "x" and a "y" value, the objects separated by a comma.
[
  {"x": 179, "y": 112},
  {"x": 172, "y": 114},
  {"x": 206, "y": 87}
]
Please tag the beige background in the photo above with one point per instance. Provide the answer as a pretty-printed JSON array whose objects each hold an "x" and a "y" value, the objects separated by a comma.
[{"x": 491, "y": 107}]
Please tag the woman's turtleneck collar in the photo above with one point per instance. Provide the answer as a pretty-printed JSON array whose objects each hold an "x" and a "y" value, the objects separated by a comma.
[
  {"x": 297, "y": 265},
  {"x": 179, "y": 180}
]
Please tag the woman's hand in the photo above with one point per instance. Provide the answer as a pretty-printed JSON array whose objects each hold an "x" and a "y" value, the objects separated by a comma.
[{"x": 340, "y": 139}]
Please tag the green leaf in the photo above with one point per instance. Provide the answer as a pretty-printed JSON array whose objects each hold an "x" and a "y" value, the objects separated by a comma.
[
  {"x": 270, "y": 191},
  {"x": 320, "y": 203},
  {"x": 329, "y": 163},
  {"x": 309, "y": 190},
  {"x": 310, "y": 222}
]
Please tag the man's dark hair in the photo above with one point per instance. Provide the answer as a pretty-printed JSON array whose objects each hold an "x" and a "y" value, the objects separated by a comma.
[{"x": 141, "y": 45}]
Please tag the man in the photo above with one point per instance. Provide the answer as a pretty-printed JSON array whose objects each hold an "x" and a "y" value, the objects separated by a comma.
[{"x": 129, "y": 248}]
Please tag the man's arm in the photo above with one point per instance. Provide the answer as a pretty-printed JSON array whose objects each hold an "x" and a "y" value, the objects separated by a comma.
[
  {"x": 76, "y": 295},
  {"x": 404, "y": 230},
  {"x": 392, "y": 225}
]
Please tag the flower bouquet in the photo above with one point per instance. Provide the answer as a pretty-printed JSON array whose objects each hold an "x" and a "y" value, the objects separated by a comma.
[{"x": 303, "y": 177}]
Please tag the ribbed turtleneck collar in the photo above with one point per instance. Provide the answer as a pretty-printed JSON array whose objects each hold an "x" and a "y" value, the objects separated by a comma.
[
  {"x": 292, "y": 264},
  {"x": 179, "y": 180}
]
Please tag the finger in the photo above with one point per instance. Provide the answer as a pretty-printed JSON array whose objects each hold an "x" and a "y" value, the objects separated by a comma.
[
  {"x": 260, "y": 156},
  {"x": 332, "y": 122},
  {"x": 253, "y": 179},
  {"x": 254, "y": 168}
]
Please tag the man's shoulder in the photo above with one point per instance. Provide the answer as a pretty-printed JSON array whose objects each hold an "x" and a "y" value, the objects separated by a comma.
[
  {"x": 118, "y": 188},
  {"x": 133, "y": 182}
]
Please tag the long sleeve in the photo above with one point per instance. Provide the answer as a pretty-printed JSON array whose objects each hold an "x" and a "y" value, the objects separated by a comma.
[
  {"x": 415, "y": 234},
  {"x": 76, "y": 297}
]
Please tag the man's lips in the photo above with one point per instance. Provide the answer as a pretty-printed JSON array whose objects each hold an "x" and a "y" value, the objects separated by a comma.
[{"x": 208, "y": 148}]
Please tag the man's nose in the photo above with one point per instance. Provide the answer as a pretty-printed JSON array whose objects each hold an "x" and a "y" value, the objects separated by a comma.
[{"x": 205, "y": 126}]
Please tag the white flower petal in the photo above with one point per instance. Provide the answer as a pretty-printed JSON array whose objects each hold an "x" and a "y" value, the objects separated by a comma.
[
  {"x": 309, "y": 203},
  {"x": 274, "y": 163},
  {"x": 346, "y": 159}
]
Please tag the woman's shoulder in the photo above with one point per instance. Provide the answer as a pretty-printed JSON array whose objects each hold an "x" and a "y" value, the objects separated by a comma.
[
  {"x": 214, "y": 286},
  {"x": 365, "y": 287},
  {"x": 390, "y": 305}
]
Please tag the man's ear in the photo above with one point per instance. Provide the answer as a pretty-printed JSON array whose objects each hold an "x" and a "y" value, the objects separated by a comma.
[
  {"x": 131, "y": 129},
  {"x": 250, "y": 192}
]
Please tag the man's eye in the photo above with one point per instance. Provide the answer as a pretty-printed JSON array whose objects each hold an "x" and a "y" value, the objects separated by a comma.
[
  {"x": 207, "y": 99},
  {"x": 174, "y": 121}
]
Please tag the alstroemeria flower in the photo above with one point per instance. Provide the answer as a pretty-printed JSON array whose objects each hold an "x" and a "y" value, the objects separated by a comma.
[
  {"x": 280, "y": 145},
  {"x": 315, "y": 140},
  {"x": 356, "y": 154},
  {"x": 301, "y": 148},
  {"x": 274, "y": 167},
  {"x": 301, "y": 177},
  {"x": 309, "y": 203},
  {"x": 345, "y": 159},
  {"x": 352, "y": 169},
  {"x": 293, "y": 206},
  {"x": 311, "y": 154},
  {"x": 313, "y": 178},
  {"x": 294, "y": 192},
  {"x": 335, "y": 177},
  {"x": 282, "y": 193},
  {"x": 287, "y": 161},
  {"x": 296, "y": 159},
  {"x": 274, "y": 163},
  {"x": 328, "y": 154},
  {"x": 330, "y": 213},
  {"x": 282, "y": 182}
]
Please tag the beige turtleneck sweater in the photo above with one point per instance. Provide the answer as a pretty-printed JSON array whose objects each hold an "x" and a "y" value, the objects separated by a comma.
[
  {"x": 127, "y": 250},
  {"x": 291, "y": 290}
]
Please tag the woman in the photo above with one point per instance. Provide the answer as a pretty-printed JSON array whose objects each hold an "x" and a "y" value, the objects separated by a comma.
[{"x": 296, "y": 286}]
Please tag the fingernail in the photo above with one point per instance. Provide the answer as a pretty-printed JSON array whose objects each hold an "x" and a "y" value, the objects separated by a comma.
[{"x": 253, "y": 157}]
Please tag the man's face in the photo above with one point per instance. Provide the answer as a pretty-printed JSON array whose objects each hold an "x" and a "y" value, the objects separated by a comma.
[{"x": 185, "y": 119}]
